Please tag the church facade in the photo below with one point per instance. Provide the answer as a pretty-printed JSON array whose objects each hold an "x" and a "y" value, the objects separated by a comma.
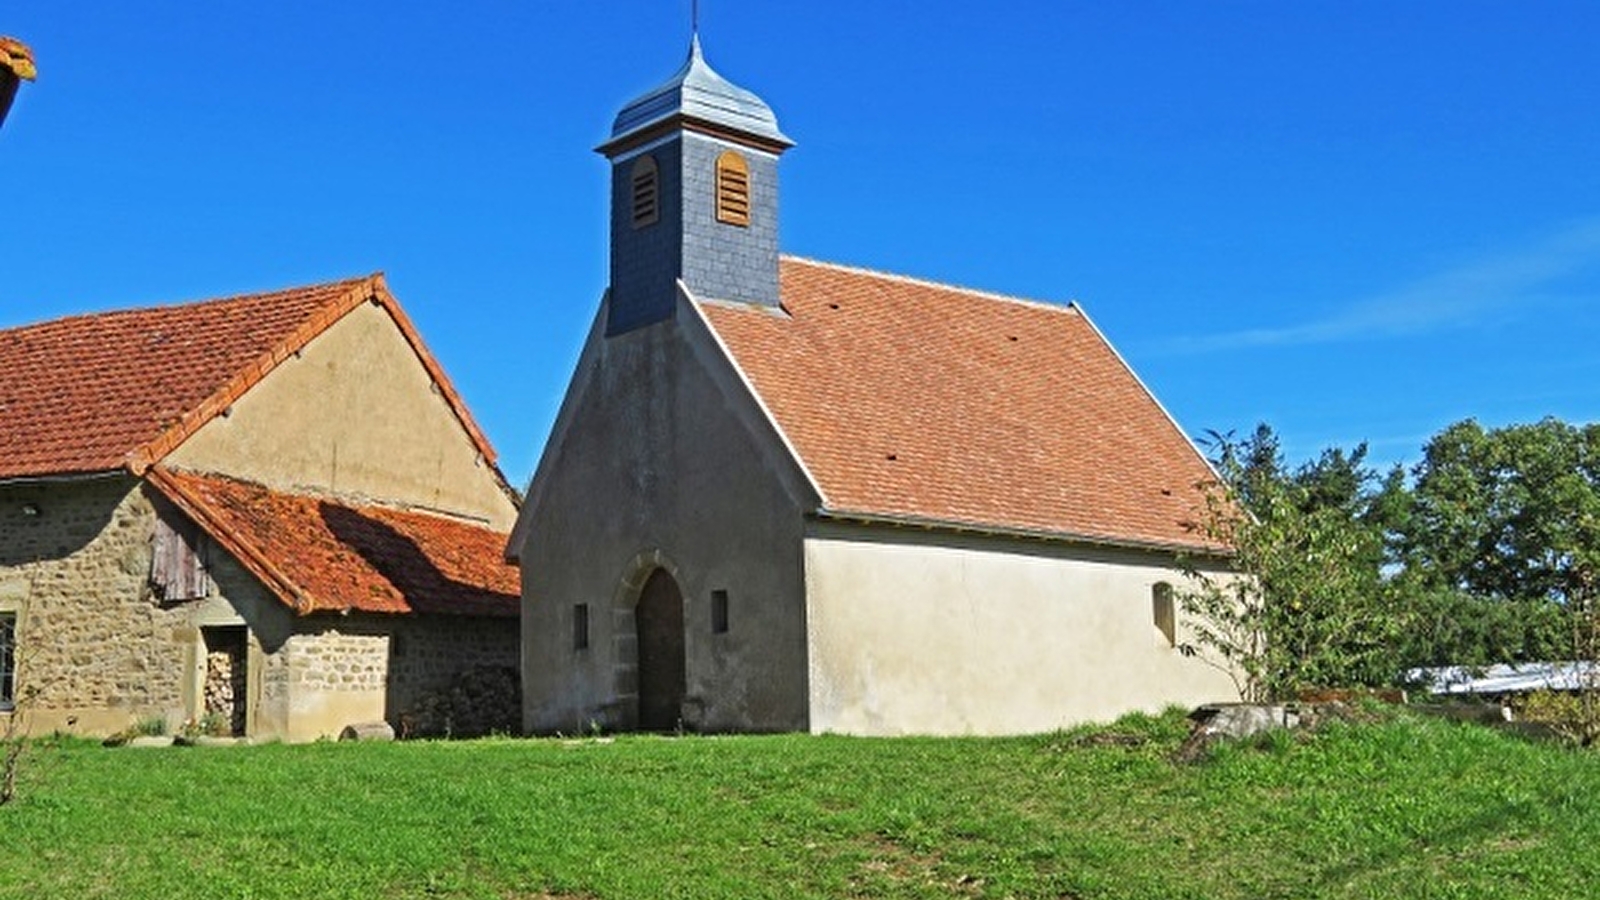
[{"x": 783, "y": 494}]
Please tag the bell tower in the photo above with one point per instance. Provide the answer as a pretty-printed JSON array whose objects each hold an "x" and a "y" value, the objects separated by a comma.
[{"x": 694, "y": 195}]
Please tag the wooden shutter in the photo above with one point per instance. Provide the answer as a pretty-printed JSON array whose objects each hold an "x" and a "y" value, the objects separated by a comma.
[
  {"x": 646, "y": 191},
  {"x": 733, "y": 189},
  {"x": 178, "y": 570}
]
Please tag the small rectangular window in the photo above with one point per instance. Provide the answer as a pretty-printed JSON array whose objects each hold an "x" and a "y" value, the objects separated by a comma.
[
  {"x": 8, "y": 660},
  {"x": 1165, "y": 614},
  {"x": 580, "y": 626},
  {"x": 719, "y": 612}
]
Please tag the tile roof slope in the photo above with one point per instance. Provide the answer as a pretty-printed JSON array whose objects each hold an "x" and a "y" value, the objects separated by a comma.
[
  {"x": 117, "y": 390},
  {"x": 929, "y": 403},
  {"x": 17, "y": 58},
  {"x": 324, "y": 555},
  {"x": 81, "y": 394}
]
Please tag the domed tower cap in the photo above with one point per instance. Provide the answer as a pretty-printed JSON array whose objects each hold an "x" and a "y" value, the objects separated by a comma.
[{"x": 696, "y": 97}]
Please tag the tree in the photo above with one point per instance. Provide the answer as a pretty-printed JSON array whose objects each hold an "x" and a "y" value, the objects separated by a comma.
[
  {"x": 1306, "y": 604},
  {"x": 1508, "y": 519},
  {"x": 1509, "y": 514}
]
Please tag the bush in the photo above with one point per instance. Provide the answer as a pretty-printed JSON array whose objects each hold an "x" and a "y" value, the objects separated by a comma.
[{"x": 1574, "y": 715}]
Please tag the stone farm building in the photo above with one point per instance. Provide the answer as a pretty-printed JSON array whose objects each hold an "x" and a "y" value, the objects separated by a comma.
[
  {"x": 269, "y": 512},
  {"x": 789, "y": 495}
]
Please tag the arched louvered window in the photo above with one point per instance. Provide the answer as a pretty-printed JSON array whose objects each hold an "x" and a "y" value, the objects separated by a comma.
[
  {"x": 733, "y": 189},
  {"x": 646, "y": 191}
]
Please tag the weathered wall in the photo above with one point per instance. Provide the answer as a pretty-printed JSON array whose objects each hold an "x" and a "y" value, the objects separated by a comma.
[
  {"x": 660, "y": 457},
  {"x": 333, "y": 678},
  {"x": 914, "y": 632},
  {"x": 335, "y": 671},
  {"x": 105, "y": 653},
  {"x": 429, "y": 652},
  {"x": 100, "y": 649},
  {"x": 355, "y": 414}
]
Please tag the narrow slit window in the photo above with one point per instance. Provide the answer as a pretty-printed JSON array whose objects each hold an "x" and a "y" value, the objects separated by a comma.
[
  {"x": 580, "y": 626},
  {"x": 719, "y": 612},
  {"x": 1165, "y": 614},
  {"x": 733, "y": 190},
  {"x": 646, "y": 192},
  {"x": 8, "y": 660}
]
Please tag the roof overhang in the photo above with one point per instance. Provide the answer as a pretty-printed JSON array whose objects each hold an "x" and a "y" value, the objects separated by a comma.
[
  {"x": 1016, "y": 532},
  {"x": 61, "y": 478},
  {"x": 683, "y": 122}
]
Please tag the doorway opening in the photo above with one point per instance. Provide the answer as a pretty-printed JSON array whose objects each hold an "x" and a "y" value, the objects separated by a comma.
[
  {"x": 662, "y": 670},
  {"x": 226, "y": 686}
]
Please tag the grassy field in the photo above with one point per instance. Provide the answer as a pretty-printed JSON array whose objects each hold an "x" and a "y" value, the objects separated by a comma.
[{"x": 1403, "y": 808}]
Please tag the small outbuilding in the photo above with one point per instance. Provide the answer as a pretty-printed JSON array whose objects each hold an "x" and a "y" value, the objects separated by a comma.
[{"x": 268, "y": 516}]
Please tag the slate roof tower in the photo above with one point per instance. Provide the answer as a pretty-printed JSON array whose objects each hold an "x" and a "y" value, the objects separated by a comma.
[{"x": 694, "y": 196}]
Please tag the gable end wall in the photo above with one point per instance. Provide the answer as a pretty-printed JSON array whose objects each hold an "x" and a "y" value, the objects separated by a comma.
[
  {"x": 354, "y": 414},
  {"x": 662, "y": 458}
]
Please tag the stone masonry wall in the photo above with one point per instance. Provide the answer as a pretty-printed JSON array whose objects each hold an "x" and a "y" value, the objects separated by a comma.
[
  {"x": 431, "y": 653},
  {"x": 103, "y": 652},
  {"x": 91, "y": 640},
  {"x": 335, "y": 661}
]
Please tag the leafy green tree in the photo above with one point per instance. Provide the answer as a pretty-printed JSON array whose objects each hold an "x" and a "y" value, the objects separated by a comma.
[
  {"x": 1509, "y": 514},
  {"x": 1506, "y": 524},
  {"x": 1306, "y": 603}
]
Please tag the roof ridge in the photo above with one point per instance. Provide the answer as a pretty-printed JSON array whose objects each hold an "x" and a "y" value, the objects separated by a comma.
[
  {"x": 188, "y": 304},
  {"x": 1071, "y": 306},
  {"x": 356, "y": 291}
]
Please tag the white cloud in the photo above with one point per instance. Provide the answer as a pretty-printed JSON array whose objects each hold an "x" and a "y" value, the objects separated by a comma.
[{"x": 1455, "y": 298}]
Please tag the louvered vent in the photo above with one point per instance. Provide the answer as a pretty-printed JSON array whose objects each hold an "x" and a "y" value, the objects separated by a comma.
[
  {"x": 646, "y": 192},
  {"x": 733, "y": 190}
]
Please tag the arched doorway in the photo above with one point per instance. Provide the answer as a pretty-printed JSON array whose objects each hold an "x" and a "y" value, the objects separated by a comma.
[{"x": 663, "y": 676}]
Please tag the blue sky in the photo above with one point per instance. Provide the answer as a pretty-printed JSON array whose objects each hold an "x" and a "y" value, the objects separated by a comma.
[{"x": 1354, "y": 221}]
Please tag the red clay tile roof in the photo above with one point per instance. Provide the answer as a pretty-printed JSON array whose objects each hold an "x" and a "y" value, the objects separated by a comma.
[
  {"x": 931, "y": 404},
  {"x": 324, "y": 555},
  {"x": 17, "y": 58},
  {"x": 123, "y": 389}
]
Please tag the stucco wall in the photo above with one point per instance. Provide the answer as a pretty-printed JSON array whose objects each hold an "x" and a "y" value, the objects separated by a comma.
[
  {"x": 355, "y": 414},
  {"x": 659, "y": 458},
  {"x": 915, "y": 632}
]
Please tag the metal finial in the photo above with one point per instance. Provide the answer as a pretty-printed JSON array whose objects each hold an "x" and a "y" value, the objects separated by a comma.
[{"x": 694, "y": 17}]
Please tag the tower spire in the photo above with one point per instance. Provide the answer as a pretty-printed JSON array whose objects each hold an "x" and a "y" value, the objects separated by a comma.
[{"x": 694, "y": 196}]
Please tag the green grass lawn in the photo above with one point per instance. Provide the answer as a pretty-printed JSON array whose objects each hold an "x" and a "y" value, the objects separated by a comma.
[{"x": 1404, "y": 808}]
